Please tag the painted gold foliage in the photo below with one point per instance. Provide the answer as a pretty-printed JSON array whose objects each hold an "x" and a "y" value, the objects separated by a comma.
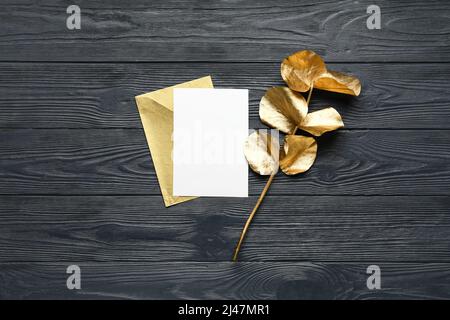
[
  {"x": 338, "y": 82},
  {"x": 301, "y": 69},
  {"x": 285, "y": 109},
  {"x": 321, "y": 121},
  {"x": 262, "y": 153},
  {"x": 264, "y": 156},
  {"x": 305, "y": 69},
  {"x": 298, "y": 154}
]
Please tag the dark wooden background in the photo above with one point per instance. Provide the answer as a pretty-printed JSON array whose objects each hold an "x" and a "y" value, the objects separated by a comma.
[{"x": 77, "y": 185}]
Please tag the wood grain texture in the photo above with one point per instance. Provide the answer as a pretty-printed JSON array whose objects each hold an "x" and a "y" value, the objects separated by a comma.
[
  {"x": 117, "y": 161},
  {"x": 77, "y": 184},
  {"x": 94, "y": 95},
  {"x": 300, "y": 228},
  {"x": 265, "y": 30},
  {"x": 184, "y": 280}
]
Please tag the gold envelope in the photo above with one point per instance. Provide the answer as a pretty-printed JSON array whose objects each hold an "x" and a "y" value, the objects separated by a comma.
[{"x": 156, "y": 111}]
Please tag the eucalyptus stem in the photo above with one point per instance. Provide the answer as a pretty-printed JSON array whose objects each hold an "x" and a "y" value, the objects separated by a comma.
[
  {"x": 309, "y": 95},
  {"x": 250, "y": 218},
  {"x": 307, "y": 105},
  {"x": 261, "y": 197}
]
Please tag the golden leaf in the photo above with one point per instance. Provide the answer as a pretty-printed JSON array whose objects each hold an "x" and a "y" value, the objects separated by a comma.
[
  {"x": 319, "y": 122},
  {"x": 301, "y": 69},
  {"x": 298, "y": 154},
  {"x": 305, "y": 69},
  {"x": 338, "y": 82},
  {"x": 262, "y": 153},
  {"x": 283, "y": 109}
]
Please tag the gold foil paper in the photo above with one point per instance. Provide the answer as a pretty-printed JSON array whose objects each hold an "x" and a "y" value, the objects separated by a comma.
[{"x": 156, "y": 112}]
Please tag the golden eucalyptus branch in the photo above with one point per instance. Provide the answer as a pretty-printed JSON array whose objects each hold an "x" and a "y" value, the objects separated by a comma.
[
  {"x": 261, "y": 197},
  {"x": 309, "y": 95},
  {"x": 281, "y": 108}
]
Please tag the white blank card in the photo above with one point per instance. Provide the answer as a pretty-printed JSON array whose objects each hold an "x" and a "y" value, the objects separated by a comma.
[{"x": 210, "y": 128}]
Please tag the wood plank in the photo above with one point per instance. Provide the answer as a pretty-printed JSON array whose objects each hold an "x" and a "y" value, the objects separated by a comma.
[
  {"x": 293, "y": 280},
  {"x": 102, "y": 95},
  {"x": 265, "y": 30},
  {"x": 286, "y": 228},
  {"x": 117, "y": 161}
]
